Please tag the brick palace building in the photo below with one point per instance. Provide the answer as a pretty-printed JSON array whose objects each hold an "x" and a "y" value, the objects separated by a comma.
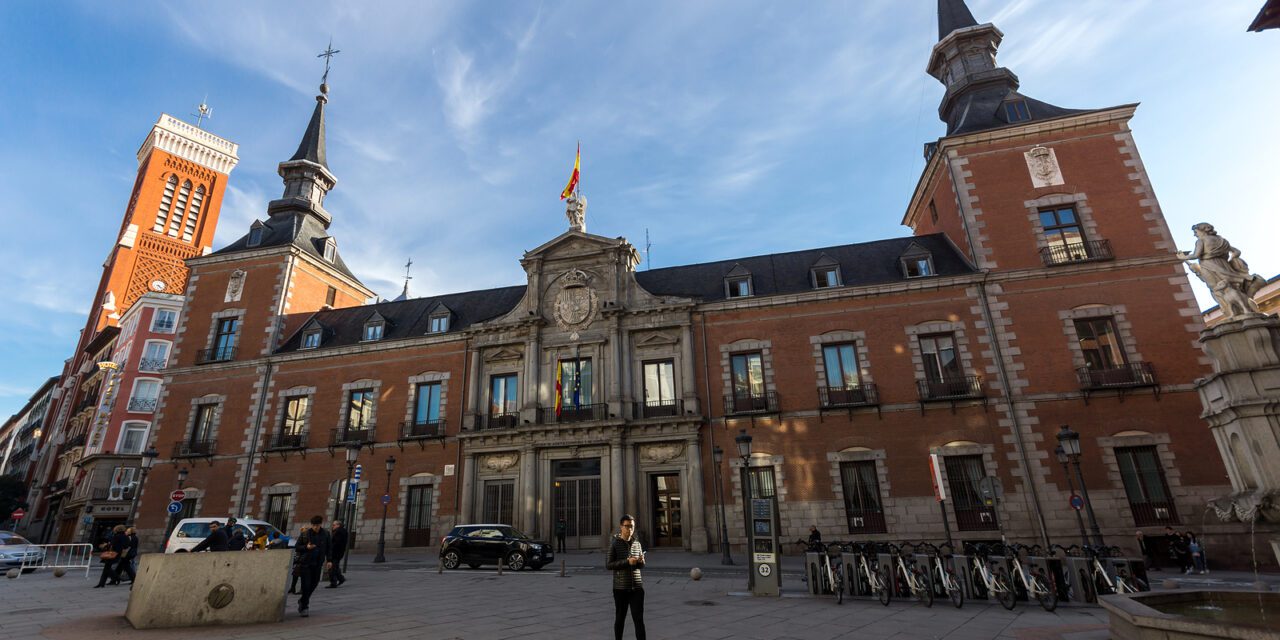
[{"x": 1038, "y": 287}]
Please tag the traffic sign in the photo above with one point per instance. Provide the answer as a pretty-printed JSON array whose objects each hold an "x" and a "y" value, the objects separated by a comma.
[
  {"x": 178, "y": 495},
  {"x": 359, "y": 471},
  {"x": 386, "y": 499},
  {"x": 19, "y": 512},
  {"x": 175, "y": 507},
  {"x": 1077, "y": 502},
  {"x": 351, "y": 492}
]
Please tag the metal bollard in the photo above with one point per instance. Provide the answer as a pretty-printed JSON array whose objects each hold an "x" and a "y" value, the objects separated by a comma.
[
  {"x": 440, "y": 568},
  {"x": 562, "y": 568},
  {"x": 499, "y": 567}
]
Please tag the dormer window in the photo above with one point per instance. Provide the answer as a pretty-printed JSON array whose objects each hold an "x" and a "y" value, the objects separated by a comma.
[
  {"x": 439, "y": 323},
  {"x": 373, "y": 330},
  {"x": 311, "y": 339},
  {"x": 825, "y": 273},
  {"x": 1016, "y": 111},
  {"x": 737, "y": 283},
  {"x": 916, "y": 262},
  {"x": 255, "y": 234},
  {"x": 330, "y": 249}
]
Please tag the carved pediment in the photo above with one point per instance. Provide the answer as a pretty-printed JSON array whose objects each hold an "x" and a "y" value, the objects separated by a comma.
[
  {"x": 504, "y": 353},
  {"x": 499, "y": 462},
  {"x": 656, "y": 340},
  {"x": 661, "y": 452}
]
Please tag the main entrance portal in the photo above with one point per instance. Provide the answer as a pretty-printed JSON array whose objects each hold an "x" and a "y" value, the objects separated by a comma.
[
  {"x": 667, "y": 525},
  {"x": 575, "y": 498}
]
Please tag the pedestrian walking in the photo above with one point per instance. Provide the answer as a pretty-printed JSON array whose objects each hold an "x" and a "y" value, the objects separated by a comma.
[
  {"x": 215, "y": 541},
  {"x": 1179, "y": 552},
  {"x": 562, "y": 528},
  {"x": 1197, "y": 553},
  {"x": 313, "y": 551},
  {"x": 337, "y": 552},
  {"x": 125, "y": 564},
  {"x": 112, "y": 552},
  {"x": 626, "y": 559}
]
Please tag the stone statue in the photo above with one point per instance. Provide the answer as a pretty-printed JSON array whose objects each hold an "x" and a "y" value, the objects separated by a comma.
[
  {"x": 1221, "y": 268},
  {"x": 577, "y": 212}
]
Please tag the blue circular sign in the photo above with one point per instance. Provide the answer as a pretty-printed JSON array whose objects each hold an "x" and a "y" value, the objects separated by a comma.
[
  {"x": 1077, "y": 502},
  {"x": 386, "y": 499},
  {"x": 175, "y": 507}
]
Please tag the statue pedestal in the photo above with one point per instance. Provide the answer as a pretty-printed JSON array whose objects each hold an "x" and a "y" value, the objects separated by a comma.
[{"x": 1241, "y": 402}]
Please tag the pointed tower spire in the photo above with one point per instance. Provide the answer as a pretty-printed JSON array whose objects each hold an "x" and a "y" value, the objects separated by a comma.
[
  {"x": 311, "y": 148},
  {"x": 952, "y": 15},
  {"x": 306, "y": 175}
]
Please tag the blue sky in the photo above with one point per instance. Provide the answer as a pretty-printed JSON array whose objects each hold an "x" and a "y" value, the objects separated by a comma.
[{"x": 724, "y": 128}]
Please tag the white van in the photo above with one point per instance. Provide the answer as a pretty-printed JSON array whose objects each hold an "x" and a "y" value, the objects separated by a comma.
[{"x": 191, "y": 531}]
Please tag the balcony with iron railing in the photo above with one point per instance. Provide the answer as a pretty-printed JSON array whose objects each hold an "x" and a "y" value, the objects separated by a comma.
[
  {"x": 152, "y": 364},
  {"x": 142, "y": 405},
  {"x": 362, "y": 434},
  {"x": 863, "y": 395},
  {"x": 119, "y": 494},
  {"x": 950, "y": 388},
  {"x": 194, "y": 448},
  {"x": 486, "y": 421},
  {"x": 1085, "y": 251},
  {"x": 216, "y": 354},
  {"x": 736, "y": 404},
  {"x": 419, "y": 430},
  {"x": 283, "y": 441},
  {"x": 669, "y": 408},
  {"x": 1128, "y": 374},
  {"x": 580, "y": 413}
]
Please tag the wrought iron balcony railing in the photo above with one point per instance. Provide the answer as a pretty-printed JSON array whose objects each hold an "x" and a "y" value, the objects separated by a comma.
[
  {"x": 863, "y": 395},
  {"x": 217, "y": 354},
  {"x": 1129, "y": 374},
  {"x": 142, "y": 405},
  {"x": 657, "y": 409},
  {"x": 117, "y": 494},
  {"x": 151, "y": 364},
  {"x": 745, "y": 404},
  {"x": 1087, "y": 251},
  {"x": 194, "y": 448},
  {"x": 580, "y": 413},
  {"x": 484, "y": 421},
  {"x": 285, "y": 441},
  {"x": 364, "y": 434},
  {"x": 950, "y": 388},
  {"x": 414, "y": 430}
]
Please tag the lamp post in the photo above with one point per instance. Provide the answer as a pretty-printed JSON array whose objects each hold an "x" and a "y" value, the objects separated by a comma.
[
  {"x": 717, "y": 455},
  {"x": 743, "y": 440},
  {"x": 1071, "y": 486},
  {"x": 148, "y": 458},
  {"x": 173, "y": 517},
  {"x": 382, "y": 534},
  {"x": 1070, "y": 442},
  {"x": 348, "y": 507}
]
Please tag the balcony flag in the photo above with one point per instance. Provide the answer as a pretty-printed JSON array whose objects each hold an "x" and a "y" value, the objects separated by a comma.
[
  {"x": 559, "y": 389},
  {"x": 573, "y": 178}
]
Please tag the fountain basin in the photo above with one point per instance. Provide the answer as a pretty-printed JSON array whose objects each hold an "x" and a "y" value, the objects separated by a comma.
[{"x": 1192, "y": 615}]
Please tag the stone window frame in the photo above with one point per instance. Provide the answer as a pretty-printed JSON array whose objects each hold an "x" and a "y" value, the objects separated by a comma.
[
  {"x": 284, "y": 397},
  {"x": 879, "y": 457},
  {"x": 168, "y": 353},
  {"x": 651, "y": 347},
  {"x": 746, "y": 345},
  {"x": 281, "y": 489},
  {"x": 762, "y": 459},
  {"x": 931, "y": 327},
  {"x": 155, "y": 315},
  {"x": 209, "y": 399},
  {"x": 124, "y": 427},
  {"x": 1118, "y": 315},
  {"x": 133, "y": 392},
  {"x": 859, "y": 341},
  {"x": 344, "y": 405},
  {"x": 501, "y": 360},
  {"x": 416, "y": 480},
  {"x": 238, "y": 314},
  {"x": 1084, "y": 215},
  {"x": 1168, "y": 463},
  {"x": 411, "y": 406},
  {"x": 989, "y": 464}
]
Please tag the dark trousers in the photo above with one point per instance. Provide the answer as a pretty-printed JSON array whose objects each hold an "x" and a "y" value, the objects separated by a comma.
[
  {"x": 125, "y": 565},
  {"x": 560, "y": 544},
  {"x": 310, "y": 580},
  {"x": 335, "y": 573},
  {"x": 622, "y": 600},
  {"x": 108, "y": 571}
]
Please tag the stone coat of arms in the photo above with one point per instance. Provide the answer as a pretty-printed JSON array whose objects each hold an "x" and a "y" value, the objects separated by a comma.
[
  {"x": 1042, "y": 163},
  {"x": 576, "y": 304}
]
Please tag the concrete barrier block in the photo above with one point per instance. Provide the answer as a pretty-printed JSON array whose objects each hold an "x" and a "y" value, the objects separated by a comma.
[{"x": 206, "y": 589}]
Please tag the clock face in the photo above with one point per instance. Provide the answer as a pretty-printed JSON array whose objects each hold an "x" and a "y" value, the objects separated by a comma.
[{"x": 157, "y": 285}]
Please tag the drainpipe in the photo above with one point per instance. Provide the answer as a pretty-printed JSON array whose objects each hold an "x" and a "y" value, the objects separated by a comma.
[
  {"x": 953, "y": 169},
  {"x": 462, "y": 419},
  {"x": 253, "y": 438}
]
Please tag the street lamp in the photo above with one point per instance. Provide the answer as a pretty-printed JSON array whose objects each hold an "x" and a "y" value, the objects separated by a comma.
[
  {"x": 148, "y": 458},
  {"x": 717, "y": 455},
  {"x": 382, "y": 534},
  {"x": 348, "y": 509},
  {"x": 1070, "y": 442},
  {"x": 1071, "y": 485},
  {"x": 743, "y": 440},
  {"x": 173, "y": 517}
]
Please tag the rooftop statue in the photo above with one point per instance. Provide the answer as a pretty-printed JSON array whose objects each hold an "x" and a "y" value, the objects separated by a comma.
[{"x": 1226, "y": 275}]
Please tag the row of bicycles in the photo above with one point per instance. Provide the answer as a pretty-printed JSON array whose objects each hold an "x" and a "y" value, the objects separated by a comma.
[{"x": 923, "y": 572}]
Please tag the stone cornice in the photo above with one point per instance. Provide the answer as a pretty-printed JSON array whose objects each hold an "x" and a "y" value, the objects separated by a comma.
[{"x": 178, "y": 138}]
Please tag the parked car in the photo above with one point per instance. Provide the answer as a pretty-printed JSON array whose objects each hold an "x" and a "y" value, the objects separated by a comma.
[
  {"x": 477, "y": 544},
  {"x": 16, "y": 550},
  {"x": 191, "y": 531}
]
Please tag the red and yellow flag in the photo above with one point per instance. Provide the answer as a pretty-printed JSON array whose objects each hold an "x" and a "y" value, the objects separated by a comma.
[
  {"x": 573, "y": 179},
  {"x": 560, "y": 371}
]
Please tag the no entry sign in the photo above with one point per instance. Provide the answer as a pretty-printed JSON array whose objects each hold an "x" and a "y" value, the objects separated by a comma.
[
  {"x": 178, "y": 496},
  {"x": 18, "y": 513}
]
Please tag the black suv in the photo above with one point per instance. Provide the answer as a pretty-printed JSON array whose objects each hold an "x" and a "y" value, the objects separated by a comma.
[{"x": 477, "y": 544}]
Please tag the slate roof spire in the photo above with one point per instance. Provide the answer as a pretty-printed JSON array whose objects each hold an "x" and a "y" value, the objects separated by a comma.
[
  {"x": 311, "y": 148},
  {"x": 307, "y": 179},
  {"x": 952, "y": 15}
]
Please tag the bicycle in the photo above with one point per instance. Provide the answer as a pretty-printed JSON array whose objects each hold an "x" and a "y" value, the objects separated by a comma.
[
  {"x": 1096, "y": 580},
  {"x": 1037, "y": 585},
  {"x": 994, "y": 582},
  {"x": 875, "y": 580},
  {"x": 915, "y": 579},
  {"x": 941, "y": 576},
  {"x": 830, "y": 576}
]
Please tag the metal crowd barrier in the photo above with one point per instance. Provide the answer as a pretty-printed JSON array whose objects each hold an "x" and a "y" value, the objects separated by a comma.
[{"x": 61, "y": 556}]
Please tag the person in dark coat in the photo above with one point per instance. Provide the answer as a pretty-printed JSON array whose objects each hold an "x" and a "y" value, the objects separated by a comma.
[
  {"x": 297, "y": 564},
  {"x": 312, "y": 550},
  {"x": 125, "y": 564},
  {"x": 561, "y": 529},
  {"x": 235, "y": 539},
  {"x": 216, "y": 540},
  {"x": 119, "y": 543},
  {"x": 626, "y": 559},
  {"x": 338, "y": 538}
]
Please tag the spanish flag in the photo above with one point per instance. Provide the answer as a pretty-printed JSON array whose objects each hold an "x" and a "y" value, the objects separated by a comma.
[
  {"x": 559, "y": 375},
  {"x": 573, "y": 179}
]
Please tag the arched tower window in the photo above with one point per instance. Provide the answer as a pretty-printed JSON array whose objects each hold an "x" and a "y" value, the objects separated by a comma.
[
  {"x": 175, "y": 221},
  {"x": 166, "y": 204},
  {"x": 193, "y": 213}
]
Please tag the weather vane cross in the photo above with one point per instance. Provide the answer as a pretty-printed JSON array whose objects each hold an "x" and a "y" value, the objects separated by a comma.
[
  {"x": 328, "y": 54},
  {"x": 203, "y": 111},
  {"x": 407, "y": 277}
]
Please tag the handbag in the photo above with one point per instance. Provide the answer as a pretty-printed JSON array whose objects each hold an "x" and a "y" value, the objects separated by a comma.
[{"x": 109, "y": 555}]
